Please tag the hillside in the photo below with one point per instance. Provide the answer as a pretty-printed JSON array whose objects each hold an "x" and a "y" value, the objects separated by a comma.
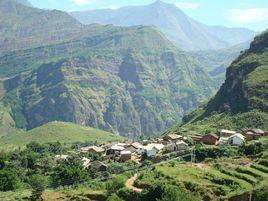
[
  {"x": 242, "y": 99},
  {"x": 185, "y": 32},
  {"x": 127, "y": 80},
  {"x": 57, "y": 132}
]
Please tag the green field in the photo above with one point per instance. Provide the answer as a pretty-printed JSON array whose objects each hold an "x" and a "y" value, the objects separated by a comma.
[{"x": 57, "y": 131}]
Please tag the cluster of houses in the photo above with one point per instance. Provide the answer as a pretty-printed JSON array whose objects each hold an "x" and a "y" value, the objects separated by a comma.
[
  {"x": 229, "y": 136},
  {"x": 123, "y": 152},
  {"x": 136, "y": 151}
]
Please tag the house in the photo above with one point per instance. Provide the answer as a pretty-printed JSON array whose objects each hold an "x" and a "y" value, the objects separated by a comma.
[
  {"x": 258, "y": 131},
  {"x": 125, "y": 155},
  {"x": 171, "y": 146},
  {"x": 131, "y": 149},
  {"x": 223, "y": 140},
  {"x": 251, "y": 135},
  {"x": 93, "y": 150},
  {"x": 237, "y": 139},
  {"x": 150, "y": 151},
  {"x": 134, "y": 147},
  {"x": 157, "y": 146},
  {"x": 196, "y": 138},
  {"x": 227, "y": 133},
  {"x": 141, "y": 150},
  {"x": 114, "y": 150},
  {"x": 181, "y": 145},
  {"x": 172, "y": 137},
  {"x": 210, "y": 139},
  {"x": 86, "y": 162},
  {"x": 121, "y": 144},
  {"x": 61, "y": 157},
  {"x": 97, "y": 165}
]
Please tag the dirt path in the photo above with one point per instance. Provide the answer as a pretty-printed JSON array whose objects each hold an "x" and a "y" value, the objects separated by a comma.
[{"x": 130, "y": 183}]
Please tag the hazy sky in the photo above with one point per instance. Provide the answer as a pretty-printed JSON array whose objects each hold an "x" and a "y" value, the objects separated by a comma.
[{"x": 252, "y": 14}]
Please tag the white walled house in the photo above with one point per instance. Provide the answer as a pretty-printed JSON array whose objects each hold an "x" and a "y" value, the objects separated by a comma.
[
  {"x": 151, "y": 151},
  {"x": 237, "y": 139}
]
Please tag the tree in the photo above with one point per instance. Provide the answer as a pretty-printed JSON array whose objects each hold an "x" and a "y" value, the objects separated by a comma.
[
  {"x": 8, "y": 180},
  {"x": 38, "y": 184},
  {"x": 68, "y": 173}
]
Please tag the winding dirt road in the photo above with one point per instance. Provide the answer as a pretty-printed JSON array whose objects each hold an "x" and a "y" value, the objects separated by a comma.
[{"x": 130, "y": 183}]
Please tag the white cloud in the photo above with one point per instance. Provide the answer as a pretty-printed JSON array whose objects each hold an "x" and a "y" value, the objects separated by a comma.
[
  {"x": 245, "y": 16},
  {"x": 83, "y": 2},
  {"x": 187, "y": 5}
]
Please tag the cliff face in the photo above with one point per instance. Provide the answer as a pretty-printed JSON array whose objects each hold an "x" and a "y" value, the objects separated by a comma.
[
  {"x": 131, "y": 94},
  {"x": 245, "y": 87},
  {"x": 242, "y": 100}
]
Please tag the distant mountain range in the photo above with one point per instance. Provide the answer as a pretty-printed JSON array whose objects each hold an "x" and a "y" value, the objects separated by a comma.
[
  {"x": 185, "y": 32},
  {"x": 128, "y": 80}
]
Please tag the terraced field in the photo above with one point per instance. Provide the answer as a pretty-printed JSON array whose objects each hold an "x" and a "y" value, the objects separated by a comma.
[{"x": 222, "y": 179}]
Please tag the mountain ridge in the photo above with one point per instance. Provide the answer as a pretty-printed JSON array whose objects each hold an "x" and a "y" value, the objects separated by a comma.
[{"x": 185, "y": 32}]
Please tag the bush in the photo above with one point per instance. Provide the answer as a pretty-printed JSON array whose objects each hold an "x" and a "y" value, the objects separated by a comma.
[
  {"x": 68, "y": 173},
  {"x": 252, "y": 148}
]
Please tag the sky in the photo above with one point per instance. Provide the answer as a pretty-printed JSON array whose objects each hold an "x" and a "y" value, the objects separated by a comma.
[{"x": 252, "y": 14}]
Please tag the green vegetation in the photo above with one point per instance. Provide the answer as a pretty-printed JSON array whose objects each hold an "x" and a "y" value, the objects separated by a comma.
[{"x": 57, "y": 132}]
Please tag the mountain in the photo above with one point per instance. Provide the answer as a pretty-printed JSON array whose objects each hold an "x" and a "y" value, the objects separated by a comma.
[
  {"x": 24, "y": 27},
  {"x": 242, "y": 100},
  {"x": 127, "y": 80},
  {"x": 25, "y": 3},
  {"x": 185, "y": 32}
]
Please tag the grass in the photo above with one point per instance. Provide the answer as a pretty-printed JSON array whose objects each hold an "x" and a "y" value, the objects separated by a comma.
[{"x": 57, "y": 131}]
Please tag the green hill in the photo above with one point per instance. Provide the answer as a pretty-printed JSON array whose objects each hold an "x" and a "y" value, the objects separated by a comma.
[
  {"x": 242, "y": 100},
  {"x": 57, "y": 131}
]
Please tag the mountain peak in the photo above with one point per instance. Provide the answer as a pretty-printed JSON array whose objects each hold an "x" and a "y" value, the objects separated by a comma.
[{"x": 160, "y": 3}]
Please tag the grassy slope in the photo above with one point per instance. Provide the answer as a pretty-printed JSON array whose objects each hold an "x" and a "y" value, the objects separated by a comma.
[{"x": 57, "y": 131}]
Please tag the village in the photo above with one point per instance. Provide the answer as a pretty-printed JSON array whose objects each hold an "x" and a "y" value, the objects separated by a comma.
[{"x": 99, "y": 156}]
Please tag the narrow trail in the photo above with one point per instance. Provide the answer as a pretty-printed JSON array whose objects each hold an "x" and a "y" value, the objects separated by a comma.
[{"x": 130, "y": 183}]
